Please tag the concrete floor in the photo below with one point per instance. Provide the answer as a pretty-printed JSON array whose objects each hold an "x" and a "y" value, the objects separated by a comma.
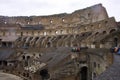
[{"x": 5, "y": 76}]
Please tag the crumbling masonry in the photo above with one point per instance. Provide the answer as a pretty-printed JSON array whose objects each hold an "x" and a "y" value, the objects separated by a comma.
[{"x": 40, "y": 47}]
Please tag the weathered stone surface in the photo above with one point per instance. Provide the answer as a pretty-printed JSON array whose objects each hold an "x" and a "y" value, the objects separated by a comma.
[
  {"x": 43, "y": 44},
  {"x": 113, "y": 72},
  {"x": 5, "y": 76}
]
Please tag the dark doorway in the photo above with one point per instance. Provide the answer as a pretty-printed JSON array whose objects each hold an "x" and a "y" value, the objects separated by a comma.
[
  {"x": 4, "y": 44},
  {"x": 116, "y": 41},
  {"x": 83, "y": 73},
  {"x": 44, "y": 74},
  {"x": 112, "y": 30},
  {"x": 5, "y": 63},
  {"x": 0, "y": 63},
  {"x": 48, "y": 44},
  {"x": 21, "y": 33}
]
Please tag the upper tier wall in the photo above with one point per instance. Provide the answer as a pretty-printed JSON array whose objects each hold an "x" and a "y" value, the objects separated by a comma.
[{"x": 85, "y": 16}]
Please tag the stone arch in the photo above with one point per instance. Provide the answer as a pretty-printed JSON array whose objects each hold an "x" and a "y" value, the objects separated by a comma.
[
  {"x": 51, "y": 21},
  {"x": 33, "y": 41},
  {"x": 42, "y": 42},
  {"x": 94, "y": 75},
  {"x": 84, "y": 73},
  {"x": 55, "y": 41},
  {"x": 112, "y": 30},
  {"x": 44, "y": 33},
  {"x": 61, "y": 31},
  {"x": 74, "y": 40},
  {"x": 63, "y": 19},
  {"x": 61, "y": 40},
  {"x": 104, "y": 32},
  {"x": 69, "y": 40},
  {"x": 56, "y": 32},
  {"x": 46, "y": 43},
  {"x": 21, "y": 33},
  {"x": 96, "y": 33},
  {"x": 32, "y": 33},
  {"x": 39, "y": 41},
  {"x": 23, "y": 41},
  {"x": 116, "y": 41},
  {"x": 66, "y": 40}
]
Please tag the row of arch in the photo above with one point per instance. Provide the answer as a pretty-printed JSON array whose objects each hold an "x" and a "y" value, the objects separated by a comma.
[
  {"x": 59, "y": 40},
  {"x": 52, "y": 41}
]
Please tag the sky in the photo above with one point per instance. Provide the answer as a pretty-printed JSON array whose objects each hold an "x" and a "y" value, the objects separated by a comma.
[{"x": 49, "y": 7}]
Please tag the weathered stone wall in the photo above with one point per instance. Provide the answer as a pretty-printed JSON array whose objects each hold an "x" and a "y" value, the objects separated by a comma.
[
  {"x": 88, "y": 15},
  {"x": 83, "y": 28}
]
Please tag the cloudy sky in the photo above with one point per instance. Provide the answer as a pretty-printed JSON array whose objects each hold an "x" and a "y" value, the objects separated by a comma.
[{"x": 48, "y": 7}]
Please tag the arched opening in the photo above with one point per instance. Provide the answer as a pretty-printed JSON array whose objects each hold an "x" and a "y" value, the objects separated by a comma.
[
  {"x": 63, "y": 19},
  {"x": 36, "y": 39},
  {"x": 84, "y": 73},
  {"x": 89, "y": 14},
  {"x": 44, "y": 74},
  {"x": 32, "y": 33},
  {"x": 115, "y": 41},
  {"x": 5, "y": 63},
  {"x": 112, "y": 30},
  {"x": 4, "y": 44},
  {"x": 48, "y": 44},
  {"x": 51, "y": 21},
  {"x": 23, "y": 57},
  {"x": 77, "y": 36},
  {"x": 28, "y": 57},
  {"x": 94, "y": 75},
  {"x": 45, "y": 33},
  {"x": 94, "y": 64},
  {"x": 21, "y": 33},
  {"x": 104, "y": 32},
  {"x": 3, "y": 33},
  {"x": 96, "y": 33},
  {"x": 26, "y": 33},
  {"x": 56, "y": 32},
  {"x": 61, "y": 31}
]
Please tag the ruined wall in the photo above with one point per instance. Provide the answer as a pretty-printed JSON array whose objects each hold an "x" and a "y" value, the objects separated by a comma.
[{"x": 85, "y": 16}]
